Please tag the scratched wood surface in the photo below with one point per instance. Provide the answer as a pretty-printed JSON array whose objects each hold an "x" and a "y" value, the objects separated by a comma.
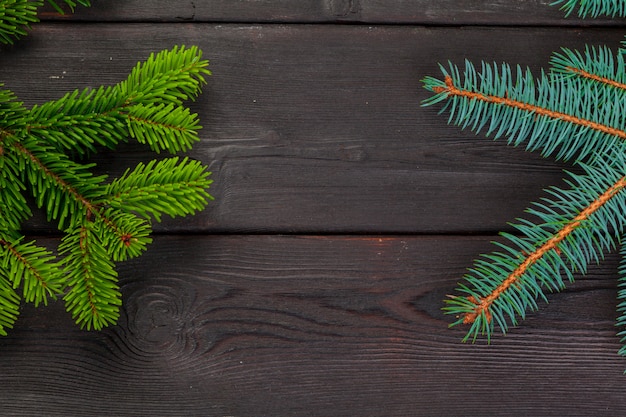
[
  {"x": 429, "y": 12},
  {"x": 344, "y": 214}
]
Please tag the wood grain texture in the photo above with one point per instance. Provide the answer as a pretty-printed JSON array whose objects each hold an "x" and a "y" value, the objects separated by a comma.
[
  {"x": 313, "y": 326},
  {"x": 421, "y": 12},
  {"x": 344, "y": 214},
  {"x": 329, "y": 137}
]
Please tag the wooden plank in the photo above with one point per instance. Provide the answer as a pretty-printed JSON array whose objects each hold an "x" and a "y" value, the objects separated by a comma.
[
  {"x": 422, "y": 12},
  {"x": 310, "y": 326},
  {"x": 329, "y": 137}
]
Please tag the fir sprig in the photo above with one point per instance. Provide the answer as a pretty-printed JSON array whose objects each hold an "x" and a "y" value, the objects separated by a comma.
[
  {"x": 575, "y": 226},
  {"x": 17, "y": 16},
  {"x": 170, "y": 186},
  {"x": 574, "y": 112},
  {"x": 103, "y": 220},
  {"x": 557, "y": 114}
]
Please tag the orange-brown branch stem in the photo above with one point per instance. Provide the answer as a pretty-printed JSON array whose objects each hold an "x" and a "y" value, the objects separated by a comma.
[
  {"x": 452, "y": 90},
  {"x": 88, "y": 277},
  {"x": 92, "y": 209},
  {"x": 483, "y": 305},
  {"x": 24, "y": 261},
  {"x": 597, "y": 78}
]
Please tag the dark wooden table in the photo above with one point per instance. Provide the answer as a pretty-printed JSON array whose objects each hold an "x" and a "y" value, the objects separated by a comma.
[{"x": 344, "y": 213}]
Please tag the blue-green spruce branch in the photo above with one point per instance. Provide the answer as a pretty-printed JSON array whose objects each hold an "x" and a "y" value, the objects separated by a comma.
[
  {"x": 593, "y": 8},
  {"x": 103, "y": 220},
  {"x": 573, "y": 112}
]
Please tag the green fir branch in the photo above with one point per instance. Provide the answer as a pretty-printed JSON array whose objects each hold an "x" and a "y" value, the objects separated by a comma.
[
  {"x": 172, "y": 76},
  {"x": 17, "y": 16},
  {"x": 9, "y": 305},
  {"x": 14, "y": 208},
  {"x": 33, "y": 268},
  {"x": 165, "y": 187},
  {"x": 163, "y": 127},
  {"x": 93, "y": 298},
  {"x": 124, "y": 235},
  {"x": 62, "y": 187},
  {"x": 148, "y": 107},
  {"x": 104, "y": 220},
  {"x": 81, "y": 121},
  {"x": 72, "y": 4}
]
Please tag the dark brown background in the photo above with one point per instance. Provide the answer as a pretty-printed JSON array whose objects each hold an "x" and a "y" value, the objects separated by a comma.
[{"x": 344, "y": 214}]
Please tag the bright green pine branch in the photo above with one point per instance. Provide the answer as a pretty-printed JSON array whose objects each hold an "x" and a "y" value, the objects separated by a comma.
[
  {"x": 64, "y": 188},
  {"x": 124, "y": 235},
  {"x": 14, "y": 208},
  {"x": 104, "y": 221},
  {"x": 93, "y": 298},
  {"x": 593, "y": 8},
  {"x": 147, "y": 106},
  {"x": 33, "y": 268},
  {"x": 172, "y": 76},
  {"x": 163, "y": 127},
  {"x": 166, "y": 187},
  {"x": 81, "y": 121},
  {"x": 72, "y": 4},
  {"x": 16, "y": 16},
  {"x": 574, "y": 226},
  {"x": 9, "y": 305},
  {"x": 12, "y": 113}
]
